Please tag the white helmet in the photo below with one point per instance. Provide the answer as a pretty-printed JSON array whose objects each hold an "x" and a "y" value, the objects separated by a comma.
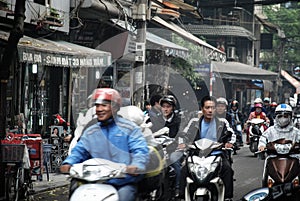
[
  {"x": 283, "y": 114},
  {"x": 222, "y": 100},
  {"x": 283, "y": 108},
  {"x": 258, "y": 100}
]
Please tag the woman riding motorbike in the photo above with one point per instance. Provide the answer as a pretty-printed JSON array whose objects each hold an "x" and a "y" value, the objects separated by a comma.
[{"x": 283, "y": 127}]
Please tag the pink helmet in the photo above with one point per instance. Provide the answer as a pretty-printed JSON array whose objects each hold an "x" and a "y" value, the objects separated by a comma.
[
  {"x": 102, "y": 95},
  {"x": 258, "y": 105}
]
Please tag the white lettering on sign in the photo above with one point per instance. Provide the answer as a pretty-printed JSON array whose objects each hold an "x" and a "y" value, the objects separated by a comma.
[
  {"x": 64, "y": 61},
  {"x": 27, "y": 56},
  {"x": 61, "y": 60},
  {"x": 37, "y": 58},
  {"x": 75, "y": 62}
]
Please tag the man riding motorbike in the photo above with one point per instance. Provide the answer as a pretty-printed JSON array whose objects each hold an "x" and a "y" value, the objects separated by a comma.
[
  {"x": 115, "y": 139},
  {"x": 217, "y": 129}
]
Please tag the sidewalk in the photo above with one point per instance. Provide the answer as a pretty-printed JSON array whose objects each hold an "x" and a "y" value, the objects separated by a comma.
[{"x": 55, "y": 180}]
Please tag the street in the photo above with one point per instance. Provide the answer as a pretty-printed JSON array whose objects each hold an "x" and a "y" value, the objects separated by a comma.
[{"x": 248, "y": 170}]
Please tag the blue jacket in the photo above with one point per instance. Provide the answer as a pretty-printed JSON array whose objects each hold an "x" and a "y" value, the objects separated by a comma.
[{"x": 119, "y": 140}]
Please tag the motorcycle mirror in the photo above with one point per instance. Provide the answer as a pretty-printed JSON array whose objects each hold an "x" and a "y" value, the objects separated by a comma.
[{"x": 257, "y": 194}]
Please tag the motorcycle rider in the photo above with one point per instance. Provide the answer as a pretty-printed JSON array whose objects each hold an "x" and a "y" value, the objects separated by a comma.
[
  {"x": 221, "y": 109},
  {"x": 155, "y": 113},
  {"x": 271, "y": 115},
  {"x": 237, "y": 121},
  {"x": 282, "y": 128},
  {"x": 113, "y": 138},
  {"x": 172, "y": 121},
  {"x": 217, "y": 129},
  {"x": 257, "y": 113}
]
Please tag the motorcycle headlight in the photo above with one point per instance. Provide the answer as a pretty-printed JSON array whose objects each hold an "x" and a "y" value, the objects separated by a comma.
[
  {"x": 283, "y": 148},
  {"x": 201, "y": 171}
]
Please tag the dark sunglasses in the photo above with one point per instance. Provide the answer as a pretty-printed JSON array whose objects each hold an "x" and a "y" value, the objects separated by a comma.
[{"x": 282, "y": 115}]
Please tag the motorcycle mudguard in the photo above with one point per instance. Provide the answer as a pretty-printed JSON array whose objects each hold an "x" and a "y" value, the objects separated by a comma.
[
  {"x": 283, "y": 169},
  {"x": 95, "y": 192},
  {"x": 202, "y": 191}
]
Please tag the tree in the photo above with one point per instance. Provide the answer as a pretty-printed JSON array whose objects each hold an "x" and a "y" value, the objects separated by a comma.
[
  {"x": 7, "y": 59},
  {"x": 287, "y": 18}
]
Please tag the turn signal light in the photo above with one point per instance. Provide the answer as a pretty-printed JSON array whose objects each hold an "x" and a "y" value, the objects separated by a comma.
[
  {"x": 270, "y": 183},
  {"x": 296, "y": 182}
]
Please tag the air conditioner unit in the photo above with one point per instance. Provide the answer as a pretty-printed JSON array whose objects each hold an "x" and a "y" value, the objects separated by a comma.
[{"x": 231, "y": 53}]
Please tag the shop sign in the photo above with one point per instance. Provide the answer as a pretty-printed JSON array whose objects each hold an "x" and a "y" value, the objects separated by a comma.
[{"x": 50, "y": 59}]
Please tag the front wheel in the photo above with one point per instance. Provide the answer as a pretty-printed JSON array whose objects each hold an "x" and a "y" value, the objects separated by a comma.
[
  {"x": 253, "y": 146},
  {"x": 200, "y": 199}
]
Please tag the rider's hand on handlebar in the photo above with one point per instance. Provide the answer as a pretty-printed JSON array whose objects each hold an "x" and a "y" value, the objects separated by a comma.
[
  {"x": 261, "y": 148},
  {"x": 181, "y": 146},
  {"x": 228, "y": 145},
  {"x": 65, "y": 168},
  {"x": 132, "y": 170}
]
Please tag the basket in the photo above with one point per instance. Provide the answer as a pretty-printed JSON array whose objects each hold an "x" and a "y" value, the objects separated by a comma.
[{"x": 12, "y": 153}]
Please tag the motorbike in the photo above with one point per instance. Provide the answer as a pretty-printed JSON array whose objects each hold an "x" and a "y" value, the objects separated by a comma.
[
  {"x": 273, "y": 193},
  {"x": 204, "y": 161},
  {"x": 257, "y": 127},
  {"x": 88, "y": 180},
  {"x": 168, "y": 177},
  {"x": 282, "y": 165}
]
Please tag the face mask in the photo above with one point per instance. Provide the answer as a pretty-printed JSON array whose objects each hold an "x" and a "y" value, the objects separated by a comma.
[
  {"x": 257, "y": 110},
  {"x": 283, "y": 121}
]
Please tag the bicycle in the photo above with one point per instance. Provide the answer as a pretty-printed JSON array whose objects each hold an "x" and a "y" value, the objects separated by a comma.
[{"x": 17, "y": 178}]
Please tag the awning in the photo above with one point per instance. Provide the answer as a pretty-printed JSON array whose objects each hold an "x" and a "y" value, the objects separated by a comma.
[
  {"x": 126, "y": 43},
  {"x": 240, "y": 71},
  {"x": 217, "y": 54},
  {"x": 156, "y": 42},
  {"x": 220, "y": 30},
  {"x": 58, "y": 53},
  {"x": 104, "y": 9},
  {"x": 293, "y": 81},
  {"x": 270, "y": 26}
]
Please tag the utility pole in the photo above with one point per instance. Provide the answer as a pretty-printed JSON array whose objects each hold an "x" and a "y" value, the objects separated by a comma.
[
  {"x": 7, "y": 59},
  {"x": 140, "y": 13}
]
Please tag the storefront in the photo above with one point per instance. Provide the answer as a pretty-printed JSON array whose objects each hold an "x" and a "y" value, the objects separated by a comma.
[{"x": 52, "y": 77}]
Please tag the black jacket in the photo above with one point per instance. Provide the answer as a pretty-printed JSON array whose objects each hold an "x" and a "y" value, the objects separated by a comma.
[{"x": 224, "y": 132}]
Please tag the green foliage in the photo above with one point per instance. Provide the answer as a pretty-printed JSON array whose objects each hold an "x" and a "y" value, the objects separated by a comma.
[
  {"x": 288, "y": 20},
  {"x": 186, "y": 67}
]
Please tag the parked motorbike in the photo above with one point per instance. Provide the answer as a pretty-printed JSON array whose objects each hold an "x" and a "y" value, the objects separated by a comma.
[
  {"x": 204, "y": 162},
  {"x": 88, "y": 180},
  {"x": 282, "y": 165},
  {"x": 273, "y": 193},
  {"x": 257, "y": 127}
]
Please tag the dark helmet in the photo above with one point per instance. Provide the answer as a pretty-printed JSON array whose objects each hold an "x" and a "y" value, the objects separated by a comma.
[
  {"x": 168, "y": 99},
  {"x": 104, "y": 95},
  {"x": 234, "y": 103}
]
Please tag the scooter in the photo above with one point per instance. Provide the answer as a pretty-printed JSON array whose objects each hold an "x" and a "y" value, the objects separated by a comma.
[
  {"x": 282, "y": 165},
  {"x": 257, "y": 127},
  {"x": 88, "y": 180},
  {"x": 169, "y": 175},
  {"x": 204, "y": 162},
  {"x": 274, "y": 193}
]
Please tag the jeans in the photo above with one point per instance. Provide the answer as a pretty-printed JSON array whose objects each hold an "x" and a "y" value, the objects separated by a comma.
[
  {"x": 175, "y": 163},
  {"x": 127, "y": 192},
  {"x": 239, "y": 136}
]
